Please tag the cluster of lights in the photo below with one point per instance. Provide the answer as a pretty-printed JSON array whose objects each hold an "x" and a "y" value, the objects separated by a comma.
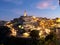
[
  {"x": 42, "y": 26},
  {"x": 44, "y": 33},
  {"x": 47, "y": 30},
  {"x": 9, "y": 24},
  {"x": 21, "y": 27}
]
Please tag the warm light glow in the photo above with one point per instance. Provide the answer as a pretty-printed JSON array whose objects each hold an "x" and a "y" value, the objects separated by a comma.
[
  {"x": 41, "y": 32},
  {"x": 47, "y": 31},
  {"x": 25, "y": 14},
  {"x": 38, "y": 28},
  {"x": 42, "y": 35},
  {"x": 14, "y": 33},
  {"x": 34, "y": 17},
  {"x": 9, "y": 24},
  {"x": 19, "y": 26},
  {"x": 58, "y": 25},
  {"x": 26, "y": 34},
  {"x": 22, "y": 27},
  {"x": 58, "y": 20}
]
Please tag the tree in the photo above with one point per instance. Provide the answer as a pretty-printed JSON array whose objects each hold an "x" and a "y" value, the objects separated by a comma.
[
  {"x": 4, "y": 30},
  {"x": 4, "y": 33},
  {"x": 50, "y": 39},
  {"x": 34, "y": 34},
  {"x": 35, "y": 37}
]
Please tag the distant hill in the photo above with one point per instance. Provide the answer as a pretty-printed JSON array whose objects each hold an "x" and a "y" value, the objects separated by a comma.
[{"x": 2, "y": 22}]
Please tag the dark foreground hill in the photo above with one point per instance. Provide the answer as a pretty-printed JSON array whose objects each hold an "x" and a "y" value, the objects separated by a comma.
[{"x": 18, "y": 41}]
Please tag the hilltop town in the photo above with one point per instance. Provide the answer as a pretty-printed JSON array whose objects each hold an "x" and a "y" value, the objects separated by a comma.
[{"x": 25, "y": 24}]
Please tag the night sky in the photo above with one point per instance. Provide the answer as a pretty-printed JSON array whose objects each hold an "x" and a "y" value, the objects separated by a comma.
[{"x": 10, "y": 9}]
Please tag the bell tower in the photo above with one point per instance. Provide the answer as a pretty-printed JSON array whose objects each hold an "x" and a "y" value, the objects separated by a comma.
[{"x": 25, "y": 14}]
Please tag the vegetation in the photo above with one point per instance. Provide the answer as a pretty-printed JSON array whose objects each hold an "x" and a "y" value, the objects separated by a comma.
[
  {"x": 48, "y": 40},
  {"x": 34, "y": 40}
]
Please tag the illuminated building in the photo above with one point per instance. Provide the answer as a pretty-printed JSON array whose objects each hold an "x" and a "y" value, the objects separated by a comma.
[{"x": 25, "y": 14}]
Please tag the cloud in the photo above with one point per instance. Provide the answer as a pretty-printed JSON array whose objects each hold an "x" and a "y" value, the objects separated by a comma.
[
  {"x": 47, "y": 4},
  {"x": 14, "y": 1},
  {"x": 43, "y": 5}
]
